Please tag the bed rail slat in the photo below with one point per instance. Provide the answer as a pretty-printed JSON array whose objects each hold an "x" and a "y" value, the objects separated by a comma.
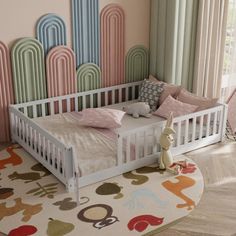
[
  {"x": 120, "y": 152},
  {"x": 43, "y": 110},
  {"x": 178, "y": 134},
  {"x": 68, "y": 105},
  {"x": 194, "y": 129},
  {"x": 128, "y": 158},
  {"x": 208, "y": 124},
  {"x": 214, "y": 122},
  {"x": 52, "y": 109},
  {"x": 60, "y": 106},
  {"x": 133, "y": 92},
  {"x": 84, "y": 102},
  {"x": 106, "y": 98},
  {"x": 76, "y": 103},
  {"x": 113, "y": 96},
  {"x": 120, "y": 95},
  {"x": 99, "y": 99},
  {"x": 145, "y": 151},
  {"x": 126, "y": 94},
  {"x": 137, "y": 146},
  {"x": 34, "y": 111},
  {"x": 201, "y": 127},
  {"x": 186, "y": 136}
]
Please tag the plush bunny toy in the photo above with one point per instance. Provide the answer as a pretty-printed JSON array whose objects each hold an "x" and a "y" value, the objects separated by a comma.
[
  {"x": 138, "y": 109},
  {"x": 166, "y": 139}
]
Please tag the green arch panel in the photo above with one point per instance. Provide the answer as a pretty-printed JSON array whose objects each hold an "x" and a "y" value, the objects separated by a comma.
[
  {"x": 136, "y": 64},
  {"x": 88, "y": 77},
  {"x": 28, "y": 69}
]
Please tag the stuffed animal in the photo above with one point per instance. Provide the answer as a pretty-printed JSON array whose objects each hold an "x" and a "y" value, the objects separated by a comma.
[
  {"x": 138, "y": 109},
  {"x": 166, "y": 139}
]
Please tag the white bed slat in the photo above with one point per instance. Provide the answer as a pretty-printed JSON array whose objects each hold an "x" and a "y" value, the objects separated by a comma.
[
  {"x": 128, "y": 158},
  {"x": 76, "y": 103},
  {"x": 68, "y": 106},
  {"x": 60, "y": 106},
  {"x": 220, "y": 121},
  {"x": 136, "y": 146},
  {"x": 126, "y": 94},
  {"x": 178, "y": 133},
  {"x": 208, "y": 125},
  {"x": 113, "y": 96},
  {"x": 91, "y": 100},
  {"x": 120, "y": 95},
  {"x": 43, "y": 110},
  {"x": 84, "y": 102},
  {"x": 120, "y": 152},
  {"x": 194, "y": 129},
  {"x": 201, "y": 127},
  {"x": 52, "y": 110},
  {"x": 133, "y": 92},
  {"x": 106, "y": 98},
  {"x": 34, "y": 111},
  {"x": 186, "y": 136},
  {"x": 145, "y": 151},
  {"x": 99, "y": 99},
  {"x": 215, "y": 122}
]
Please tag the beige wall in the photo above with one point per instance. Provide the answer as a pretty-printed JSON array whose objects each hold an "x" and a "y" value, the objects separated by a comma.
[{"x": 18, "y": 18}]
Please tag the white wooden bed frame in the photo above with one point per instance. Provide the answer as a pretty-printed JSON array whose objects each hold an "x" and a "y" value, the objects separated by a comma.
[{"x": 59, "y": 159}]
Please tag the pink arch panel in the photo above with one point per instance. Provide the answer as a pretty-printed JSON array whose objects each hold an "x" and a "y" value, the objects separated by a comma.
[
  {"x": 112, "y": 45},
  {"x": 61, "y": 71},
  {"x": 6, "y": 92}
]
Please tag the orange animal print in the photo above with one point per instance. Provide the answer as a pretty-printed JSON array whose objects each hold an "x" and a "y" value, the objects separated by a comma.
[
  {"x": 14, "y": 159},
  {"x": 177, "y": 188},
  {"x": 28, "y": 210}
]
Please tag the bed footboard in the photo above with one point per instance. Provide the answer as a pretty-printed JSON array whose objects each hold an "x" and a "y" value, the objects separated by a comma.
[{"x": 45, "y": 148}]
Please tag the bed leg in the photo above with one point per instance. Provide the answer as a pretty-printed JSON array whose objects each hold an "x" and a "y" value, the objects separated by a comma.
[
  {"x": 70, "y": 186},
  {"x": 77, "y": 190}
]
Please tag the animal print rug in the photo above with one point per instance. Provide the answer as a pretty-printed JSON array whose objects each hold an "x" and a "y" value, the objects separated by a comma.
[{"x": 141, "y": 202}]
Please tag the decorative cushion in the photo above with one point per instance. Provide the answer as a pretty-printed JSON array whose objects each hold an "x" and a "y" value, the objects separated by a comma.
[
  {"x": 201, "y": 102},
  {"x": 101, "y": 118},
  {"x": 176, "y": 107},
  {"x": 169, "y": 89},
  {"x": 150, "y": 93}
]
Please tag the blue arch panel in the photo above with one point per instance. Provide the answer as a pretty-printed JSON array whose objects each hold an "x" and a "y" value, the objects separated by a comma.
[
  {"x": 51, "y": 31},
  {"x": 86, "y": 37}
]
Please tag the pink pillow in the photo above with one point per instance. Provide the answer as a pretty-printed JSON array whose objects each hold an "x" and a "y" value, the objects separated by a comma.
[
  {"x": 201, "y": 102},
  {"x": 176, "y": 107},
  {"x": 169, "y": 89},
  {"x": 101, "y": 118}
]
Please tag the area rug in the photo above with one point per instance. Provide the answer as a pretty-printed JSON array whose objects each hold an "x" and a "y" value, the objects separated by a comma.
[{"x": 141, "y": 202}]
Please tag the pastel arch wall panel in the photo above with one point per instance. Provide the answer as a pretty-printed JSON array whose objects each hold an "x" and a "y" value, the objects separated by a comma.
[
  {"x": 51, "y": 31},
  {"x": 112, "y": 44},
  {"x": 137, "y": 64},
  {"x": 28, "y": 69},
  {"x": 6, "y": 92},
  {"x": 61, "y": 71},
  {"x": 88, "y": 77},
  {"x": 85, "y": 31}
]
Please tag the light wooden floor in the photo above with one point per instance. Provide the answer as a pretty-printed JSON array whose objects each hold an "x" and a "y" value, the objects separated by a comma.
[{"x": 216, "y": 213}]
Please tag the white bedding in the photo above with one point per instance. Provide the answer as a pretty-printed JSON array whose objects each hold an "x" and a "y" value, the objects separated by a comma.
[{"x": 93, "y": 150}]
